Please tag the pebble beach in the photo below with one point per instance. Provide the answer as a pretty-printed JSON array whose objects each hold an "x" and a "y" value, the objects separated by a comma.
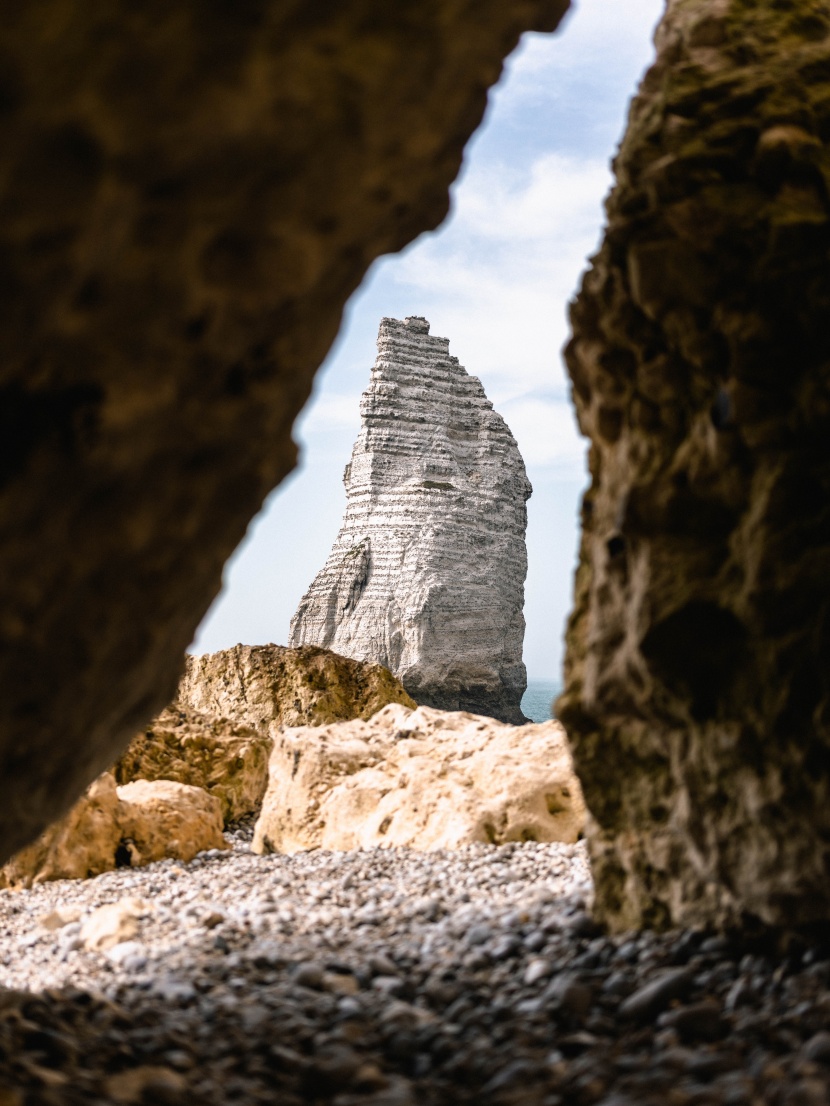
[{"x": 393, "y": 978}]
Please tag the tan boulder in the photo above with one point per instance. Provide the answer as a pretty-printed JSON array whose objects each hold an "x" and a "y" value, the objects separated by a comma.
[
  {"x": 227, "y": 759},
  {"x": 110, "y": 825},
  {"x": 162, "y": 818},
  {"x": 82, "y": 844},
  {"x": 269, "y": 686},
  {"x": 425, "y": 779},
  {"x": 148, "y": 1083}
]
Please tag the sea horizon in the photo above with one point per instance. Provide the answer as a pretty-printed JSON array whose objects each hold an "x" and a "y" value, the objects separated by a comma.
[{"x": 537, "y": 699}]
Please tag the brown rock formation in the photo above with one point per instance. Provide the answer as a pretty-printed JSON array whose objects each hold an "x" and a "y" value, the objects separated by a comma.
[
  {"x": 424, "y": 779},
  {"x": 188, "y": 195},
  {"x": 698, "y": 671},
  {"x": 229, "y": 761},
  {"x": 269, "y": 686}
]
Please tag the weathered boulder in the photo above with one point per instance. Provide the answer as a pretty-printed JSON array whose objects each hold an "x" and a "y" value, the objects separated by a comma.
[
  {"x": 82, "y": 844},
  {"x": 697, "y": 690},
  {"x": 269, "y": 686},
  {"x": 426, "y": 779},
  {"x": 112, "y": 826},
  {"x": 228, "y": 760},
  {"x": 426, "y": 576},
  {"x": 162, "y": 818},
  {"x": 189, "y": 194}
]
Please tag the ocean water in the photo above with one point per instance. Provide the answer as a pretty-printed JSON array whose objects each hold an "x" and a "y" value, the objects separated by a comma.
[{"x": 537, "y": 699}]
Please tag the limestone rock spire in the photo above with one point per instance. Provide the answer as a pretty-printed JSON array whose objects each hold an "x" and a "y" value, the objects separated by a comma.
[{"x": 426, "y": 575}]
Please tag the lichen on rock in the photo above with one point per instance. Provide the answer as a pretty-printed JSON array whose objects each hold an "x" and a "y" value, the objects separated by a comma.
[
  {"x": 426, "y": 575},
  {"x": 269, "y": 686}
]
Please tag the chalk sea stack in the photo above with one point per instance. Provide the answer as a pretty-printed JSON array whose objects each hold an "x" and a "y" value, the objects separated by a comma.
[{"x": 426, "y": 575}]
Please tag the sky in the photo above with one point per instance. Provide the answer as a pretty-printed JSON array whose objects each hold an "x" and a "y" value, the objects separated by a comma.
[{"x": 495, "y": 279}]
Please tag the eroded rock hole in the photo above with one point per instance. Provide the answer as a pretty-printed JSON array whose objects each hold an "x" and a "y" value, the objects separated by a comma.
[
  {"x": 697, "y": 652},
  {"x": 123, "y": 856}
]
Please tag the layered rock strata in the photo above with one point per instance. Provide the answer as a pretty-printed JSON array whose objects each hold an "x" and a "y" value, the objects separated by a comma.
[
  {"x": 269, "y": 686},
  {"x": 426, "y": 575},
  {"x": 189, "y": 194},
  {"x": 424, "y": 779},
  {"x": 698, "y": 664}
]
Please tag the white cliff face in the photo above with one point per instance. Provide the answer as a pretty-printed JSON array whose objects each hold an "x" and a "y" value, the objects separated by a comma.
[{"x": 427, "y": 573}]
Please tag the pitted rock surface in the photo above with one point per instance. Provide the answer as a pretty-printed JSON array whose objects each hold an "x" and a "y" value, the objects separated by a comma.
[
  {"x": 426, "y": 575},
  {"x": 189, "y": 194},
  {"x": 228, "y": 760},
  {"x": 697, "y": 690},
  {"x": 424, "y": 779}
]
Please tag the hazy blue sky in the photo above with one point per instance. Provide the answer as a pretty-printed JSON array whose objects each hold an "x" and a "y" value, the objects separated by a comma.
[{"x": 495, "y": 279}]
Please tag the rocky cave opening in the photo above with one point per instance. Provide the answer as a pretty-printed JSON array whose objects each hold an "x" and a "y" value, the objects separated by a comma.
[{"x": 189, "y": 196}]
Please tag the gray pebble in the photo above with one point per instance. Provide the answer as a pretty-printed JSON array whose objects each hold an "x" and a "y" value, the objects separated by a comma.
[
  {"x": 817, "y": 1048},
  {"x": 537, "y": 969},
  {"x": 655, "y": 995}
]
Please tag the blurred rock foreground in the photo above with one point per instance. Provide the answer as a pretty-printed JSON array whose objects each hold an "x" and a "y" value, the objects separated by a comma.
[
  {"x": 189, "y": 194},
  {"x": 697, "y": 683}
]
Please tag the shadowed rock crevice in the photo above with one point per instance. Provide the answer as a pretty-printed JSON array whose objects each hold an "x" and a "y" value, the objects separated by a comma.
[
  {"x": 697, "y": 653},
  {"x": 189, "y": 194}
]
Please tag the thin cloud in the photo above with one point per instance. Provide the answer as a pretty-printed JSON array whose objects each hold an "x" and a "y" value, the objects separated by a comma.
[
  {"x": 597, "y": 39},
  {"x": 546, "y": 432},
  {"x": 332, "y": 411},
  {"x": 498, "y": 279}
]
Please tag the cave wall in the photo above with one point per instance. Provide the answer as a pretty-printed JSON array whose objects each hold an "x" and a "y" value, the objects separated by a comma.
[
  {"x": 188, "y": 195},
  {"x": 697, "y": 689}
]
